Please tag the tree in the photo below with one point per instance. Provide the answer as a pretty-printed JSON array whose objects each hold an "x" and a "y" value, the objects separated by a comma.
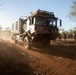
[
  {"x": 72, "y": 13},
  {"x": 74, "y": 29}
]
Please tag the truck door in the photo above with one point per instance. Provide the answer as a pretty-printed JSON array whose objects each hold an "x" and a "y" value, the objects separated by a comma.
[{"x": 31, "y": 24}]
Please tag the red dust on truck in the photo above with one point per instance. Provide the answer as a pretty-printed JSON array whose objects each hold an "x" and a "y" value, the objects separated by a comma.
[{"x": 39, "y": 27}]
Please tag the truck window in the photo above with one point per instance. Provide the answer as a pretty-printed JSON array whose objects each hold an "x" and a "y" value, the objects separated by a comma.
[
  {"x": 40, "y": 20},
  {"x": 31, "y": 20},
  {"x": 53, "y": 22}
]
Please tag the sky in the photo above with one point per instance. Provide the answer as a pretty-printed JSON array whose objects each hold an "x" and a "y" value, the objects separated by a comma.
[{"x": 14, "y": 9}]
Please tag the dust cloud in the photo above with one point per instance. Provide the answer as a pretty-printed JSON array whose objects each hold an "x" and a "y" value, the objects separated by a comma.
[{"x": 5, "y": 35}]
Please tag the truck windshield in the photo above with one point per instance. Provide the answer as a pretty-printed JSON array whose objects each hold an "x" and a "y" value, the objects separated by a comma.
[
  {"x": 52, "y": 22},
  {"x": 40, "y": 20},
  {"x": 46, "y": 21}
]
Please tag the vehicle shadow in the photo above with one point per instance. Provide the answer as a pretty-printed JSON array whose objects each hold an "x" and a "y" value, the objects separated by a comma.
[
  {"x": 14, "y": 68},
  {"x": 12, "y": 61},
  {"x": 58, "y": 50}
]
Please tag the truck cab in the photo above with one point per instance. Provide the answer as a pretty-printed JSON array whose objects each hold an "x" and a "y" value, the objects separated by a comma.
[{"x": 39, "y": 27}]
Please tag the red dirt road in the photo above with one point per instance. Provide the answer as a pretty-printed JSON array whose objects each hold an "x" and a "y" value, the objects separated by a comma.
[{"x": 58, "y": 59}]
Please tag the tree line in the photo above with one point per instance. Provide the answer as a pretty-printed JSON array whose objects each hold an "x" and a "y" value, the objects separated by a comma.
[{"x": 69, "y": 33}]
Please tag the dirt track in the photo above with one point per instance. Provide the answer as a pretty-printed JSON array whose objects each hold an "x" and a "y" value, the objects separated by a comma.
[{"x": 56, "y": 60}]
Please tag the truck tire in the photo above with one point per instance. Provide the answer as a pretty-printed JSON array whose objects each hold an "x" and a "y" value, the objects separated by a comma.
[
  {"x": 14, "y": 39},
  {"x": 27, "y": 44}
]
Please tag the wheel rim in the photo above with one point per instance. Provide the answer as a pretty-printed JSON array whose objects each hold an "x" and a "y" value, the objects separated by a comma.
[{"x": 26, "y": 43}]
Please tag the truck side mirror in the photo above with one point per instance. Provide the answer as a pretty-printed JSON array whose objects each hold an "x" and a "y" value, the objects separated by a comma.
[{"x": 60, "y": 22}]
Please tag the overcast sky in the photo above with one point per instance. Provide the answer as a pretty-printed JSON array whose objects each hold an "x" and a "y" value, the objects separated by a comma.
[{"x": 13, "y": 9}]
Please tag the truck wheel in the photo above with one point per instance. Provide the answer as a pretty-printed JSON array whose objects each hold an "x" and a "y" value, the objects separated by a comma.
[
  {"x": 27, "y": 44},
  {"x": 14, "y": 39}
]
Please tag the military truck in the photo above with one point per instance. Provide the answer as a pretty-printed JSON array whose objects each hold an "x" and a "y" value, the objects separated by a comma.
[{"x": 39, "y": 27}]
